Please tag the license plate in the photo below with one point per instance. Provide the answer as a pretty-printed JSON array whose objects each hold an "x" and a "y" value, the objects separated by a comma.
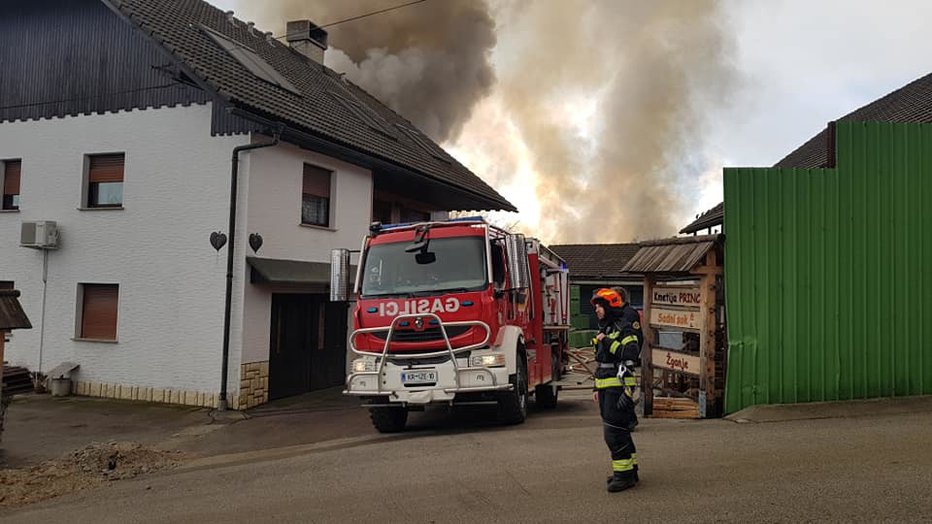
[{"x": 419, "y": 376}]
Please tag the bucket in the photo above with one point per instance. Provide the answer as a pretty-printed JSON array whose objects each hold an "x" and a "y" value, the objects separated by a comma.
[{"x": 61, "y": 387}]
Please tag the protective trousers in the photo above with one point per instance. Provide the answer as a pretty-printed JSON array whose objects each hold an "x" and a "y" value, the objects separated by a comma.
[{"x": 618, "y": 419}]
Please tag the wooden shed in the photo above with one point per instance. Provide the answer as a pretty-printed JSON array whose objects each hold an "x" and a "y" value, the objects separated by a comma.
[
  {"x": 12, "y": 317},
  {"x": 683, "y": 372}
]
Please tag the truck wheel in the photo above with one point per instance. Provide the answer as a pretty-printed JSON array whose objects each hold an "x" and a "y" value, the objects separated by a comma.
[
  {"x": 389, "y": 420},
  {"x": 545, "y": 396},
  {"x": 512, "y": 406}
]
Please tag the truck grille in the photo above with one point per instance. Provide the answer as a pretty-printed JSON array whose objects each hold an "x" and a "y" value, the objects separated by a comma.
[{"x": 428, "y": 335}]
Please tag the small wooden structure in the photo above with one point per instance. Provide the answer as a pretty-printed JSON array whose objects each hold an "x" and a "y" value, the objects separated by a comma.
[
  {"x": 12, "y": 317},
  {"x": 683, "y": 371}
]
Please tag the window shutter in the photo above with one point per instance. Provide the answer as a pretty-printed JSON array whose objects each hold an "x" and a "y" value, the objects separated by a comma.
[
  {"x": 12, "y": 169},
  {"x": 316, "y": 181},
  {"x": 99, "y": 319},
  {"x": 106, "y": 168}
]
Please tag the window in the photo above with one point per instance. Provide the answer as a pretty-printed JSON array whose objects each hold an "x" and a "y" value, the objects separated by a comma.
[
  {"x": 105, "y": 180},
  {"x": 248, "y": 58},
  {"x": 99, "y": 304},
  {"x": 10, "y": 184},
  {"x": 315, "y": 203},
  {"x": 458, "y": 264},
  {"x": 364, "y": 113}
]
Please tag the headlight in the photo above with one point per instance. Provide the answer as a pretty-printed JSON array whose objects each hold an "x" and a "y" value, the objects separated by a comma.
[
  {"x": 492, "y": 360},
  {"x": 362, "y": 365}
]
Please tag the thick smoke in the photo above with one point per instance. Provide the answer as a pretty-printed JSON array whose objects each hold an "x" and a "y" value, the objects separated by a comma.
[
  {"x": 428, "y": 61},
  {"x": 644, "y": 74},
  {"x": 651, "y": 69}
]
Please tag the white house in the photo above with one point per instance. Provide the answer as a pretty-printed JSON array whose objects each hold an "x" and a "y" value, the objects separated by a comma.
[{"x": 120, "y": 121}]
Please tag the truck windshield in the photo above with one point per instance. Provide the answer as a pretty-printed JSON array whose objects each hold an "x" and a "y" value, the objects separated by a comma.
[{"x": 458, "y": 264}]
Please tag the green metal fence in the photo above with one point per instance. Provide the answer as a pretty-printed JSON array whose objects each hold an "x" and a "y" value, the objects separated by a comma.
[{"x": 828, "y": 272}]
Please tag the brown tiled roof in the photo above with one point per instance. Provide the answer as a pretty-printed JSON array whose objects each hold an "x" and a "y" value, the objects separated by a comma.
[
  {"x": 671, "y": 255},
  {"x": 319, "y": 107},
  {"x": 710, "y": 218},
  {"x": 12, "y": 315},
  {"x": 595, "y": 261},
  {"x": 911, "y": 103}
]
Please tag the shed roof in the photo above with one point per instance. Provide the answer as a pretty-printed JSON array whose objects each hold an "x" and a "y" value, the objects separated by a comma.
[
  {"x": 672, "y": 255},
  {"x": 12, "y": 315}
]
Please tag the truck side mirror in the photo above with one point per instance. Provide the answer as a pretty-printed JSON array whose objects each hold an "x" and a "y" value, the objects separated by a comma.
[{"x": 339, "y": 275}]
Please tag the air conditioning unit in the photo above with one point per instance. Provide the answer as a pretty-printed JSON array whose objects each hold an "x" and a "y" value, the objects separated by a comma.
[{"x": 41, "y": 234}]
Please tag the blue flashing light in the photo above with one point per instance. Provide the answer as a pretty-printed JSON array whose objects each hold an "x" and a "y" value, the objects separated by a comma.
[
  {"x": 467, "y": 303},
  {"x": 372, "y": 310}
]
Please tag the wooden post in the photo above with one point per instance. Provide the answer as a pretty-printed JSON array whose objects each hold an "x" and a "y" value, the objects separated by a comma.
[
  {"x": 2, "y": 408},
  {"x": 647, "y": 374},
  {"x": 2, "y": 344},
  {"x": 707, "y": 337}
]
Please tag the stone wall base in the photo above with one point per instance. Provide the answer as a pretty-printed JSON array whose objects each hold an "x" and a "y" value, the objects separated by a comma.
[
  {"x": 146, "y": 394},
  {"x": 253, "y": 385}
]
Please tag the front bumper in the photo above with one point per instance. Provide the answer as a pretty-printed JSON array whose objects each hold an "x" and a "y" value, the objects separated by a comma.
[{"x": 452, "y": 380}]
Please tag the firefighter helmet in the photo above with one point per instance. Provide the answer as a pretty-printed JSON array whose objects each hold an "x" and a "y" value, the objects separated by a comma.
[{"x": 609, "y": 297}]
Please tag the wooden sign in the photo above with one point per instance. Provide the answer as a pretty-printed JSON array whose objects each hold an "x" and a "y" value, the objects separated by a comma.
[
  {"x": 676, "y": 318},
  {"x": 676, "y": 296},
  {"x": 675, "y": 361}
]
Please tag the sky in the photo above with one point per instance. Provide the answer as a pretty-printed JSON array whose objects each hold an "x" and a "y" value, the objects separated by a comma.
[{"x": 609, "y": 121}]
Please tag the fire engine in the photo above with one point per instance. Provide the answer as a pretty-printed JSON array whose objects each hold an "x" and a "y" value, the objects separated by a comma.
[{"x": 455, "y": 312}]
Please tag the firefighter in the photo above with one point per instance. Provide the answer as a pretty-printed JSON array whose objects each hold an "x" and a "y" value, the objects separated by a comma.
[{"x": 618, "y": 349}]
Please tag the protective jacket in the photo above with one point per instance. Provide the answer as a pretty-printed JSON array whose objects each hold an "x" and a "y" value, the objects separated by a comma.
[{"x": 621, "y": 345}]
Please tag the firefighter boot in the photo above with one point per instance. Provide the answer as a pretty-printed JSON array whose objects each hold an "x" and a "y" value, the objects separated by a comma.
[
  {"x": 636, "y": 477},
  {"x": 621, "y": 481}
]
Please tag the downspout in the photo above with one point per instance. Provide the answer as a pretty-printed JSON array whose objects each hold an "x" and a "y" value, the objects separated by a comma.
[{"x": 234, "y": 176}]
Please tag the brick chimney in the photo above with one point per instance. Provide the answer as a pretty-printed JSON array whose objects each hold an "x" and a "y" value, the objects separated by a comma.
[{"x": 308, "y": 39}]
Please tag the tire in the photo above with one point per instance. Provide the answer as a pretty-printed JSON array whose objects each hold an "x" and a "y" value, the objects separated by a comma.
[
  {"x": 389, "y": 420},
  {"x": 545, "y": 396},
  {"x": 512, "y": 406}
]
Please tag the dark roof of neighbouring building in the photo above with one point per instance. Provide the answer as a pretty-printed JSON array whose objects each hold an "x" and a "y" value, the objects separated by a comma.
[
  {"x": 595, "y": 261},
  {"x": 671, "y": 255},
  {"x": 911, "y": 103},
  {"x": 325, "y": 104},
  {"x": 710, "y": 218}
]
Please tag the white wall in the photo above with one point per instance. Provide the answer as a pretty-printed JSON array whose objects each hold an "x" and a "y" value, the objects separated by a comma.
[
  {"x": 275, "y": 178},
  {"x": 176, "y": 191}
]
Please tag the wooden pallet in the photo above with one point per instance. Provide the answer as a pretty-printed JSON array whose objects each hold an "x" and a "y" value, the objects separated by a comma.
[{"x": 675, "y": 407}]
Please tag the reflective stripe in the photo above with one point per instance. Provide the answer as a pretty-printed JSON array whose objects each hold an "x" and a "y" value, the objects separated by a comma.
[
  {"x": 629, "y": 339},
  {"x": 631, "y": 381},
  {"x": 623, "y": 464},
  {"x": 634, "y": 457},
  {"x": 614, "y": 347},
  {"x": 613, "y": 335},
  {"x": 607, "y": 365},
  {"x": 611, "y": 382}
]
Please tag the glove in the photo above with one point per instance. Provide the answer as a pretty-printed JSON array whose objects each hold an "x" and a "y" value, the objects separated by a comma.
[{"x": 625, "y": 403}]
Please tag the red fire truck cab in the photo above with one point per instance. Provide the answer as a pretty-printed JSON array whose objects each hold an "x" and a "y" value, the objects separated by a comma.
[{"x": 455, "y": 312}]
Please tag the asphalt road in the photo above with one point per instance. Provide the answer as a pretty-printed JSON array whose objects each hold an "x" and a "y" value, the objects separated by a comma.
[{"x": 551, "y": 469}]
